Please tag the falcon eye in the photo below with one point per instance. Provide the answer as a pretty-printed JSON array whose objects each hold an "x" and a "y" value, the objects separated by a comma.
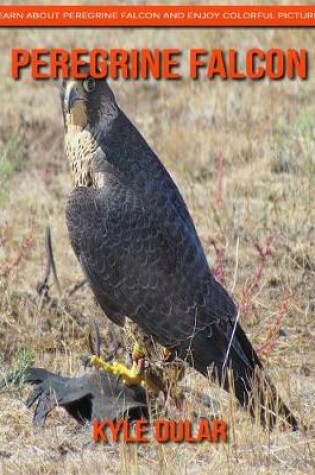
[{"x": 89, "y": 85}]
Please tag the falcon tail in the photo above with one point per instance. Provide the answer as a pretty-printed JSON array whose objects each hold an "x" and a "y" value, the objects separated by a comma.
[{"x": 250, "y": 384}]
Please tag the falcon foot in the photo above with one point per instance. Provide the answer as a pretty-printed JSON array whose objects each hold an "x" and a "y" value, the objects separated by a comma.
[
  {"x": 138, "y": 374},
  {"x": 130, "y": 377}
]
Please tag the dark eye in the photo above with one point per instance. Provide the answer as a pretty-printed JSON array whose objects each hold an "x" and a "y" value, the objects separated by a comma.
[{"x": 89, "y": 85}]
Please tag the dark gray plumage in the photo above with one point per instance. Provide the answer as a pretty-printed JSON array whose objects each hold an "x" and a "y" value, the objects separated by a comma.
[
  {"x": 135, "y": 239},
  {"x": 93, "y": 396}
]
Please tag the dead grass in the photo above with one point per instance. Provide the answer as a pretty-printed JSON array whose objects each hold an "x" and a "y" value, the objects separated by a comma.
[{"x": 243, "y": 157}]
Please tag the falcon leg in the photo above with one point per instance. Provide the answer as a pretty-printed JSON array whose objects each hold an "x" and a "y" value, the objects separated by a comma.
[
  {"x": 130, "y": 376},
  {"x": 135, "y": 375},
  {"x": 154, "y": 378},
  {"x": 174, "y": 372}
]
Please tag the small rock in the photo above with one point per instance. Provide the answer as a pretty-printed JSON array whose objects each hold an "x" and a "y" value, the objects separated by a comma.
[{"x": 305, "y": 370}]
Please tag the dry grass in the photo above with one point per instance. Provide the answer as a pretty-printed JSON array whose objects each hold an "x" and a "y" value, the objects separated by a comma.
[{"x": 243, "y": 157}]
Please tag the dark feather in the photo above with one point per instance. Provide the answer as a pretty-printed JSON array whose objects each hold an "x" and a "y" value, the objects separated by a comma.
[
  {"x": 96, "y": 395},
  {"x": 140, "y": 251}
]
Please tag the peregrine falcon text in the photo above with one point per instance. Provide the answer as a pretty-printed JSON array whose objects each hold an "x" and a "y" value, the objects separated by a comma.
[{"x": 254, "y": 64}]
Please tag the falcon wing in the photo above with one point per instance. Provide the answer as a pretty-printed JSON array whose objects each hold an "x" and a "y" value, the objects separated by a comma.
[
  {"x": 142, "y": 260},
  {"x": 128, "y": 152}
]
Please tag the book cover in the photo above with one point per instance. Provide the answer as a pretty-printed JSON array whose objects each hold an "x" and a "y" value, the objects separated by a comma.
[{"x": 157, "y": 230}]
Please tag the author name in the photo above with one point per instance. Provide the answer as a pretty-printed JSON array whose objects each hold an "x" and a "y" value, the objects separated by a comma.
[{"x": 162, "y": 431}]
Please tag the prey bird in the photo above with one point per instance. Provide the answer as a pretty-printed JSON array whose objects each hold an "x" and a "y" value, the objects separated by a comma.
[
  {"x": 137, "y": 244},
  {"x": 93, "y": 396}
]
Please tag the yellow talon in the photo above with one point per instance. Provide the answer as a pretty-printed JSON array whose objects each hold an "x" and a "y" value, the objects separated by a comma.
[
  {"x": 130, "y": 377},
  {"x": 99, "y": 363},
  {"x": 137, "y": 374}
]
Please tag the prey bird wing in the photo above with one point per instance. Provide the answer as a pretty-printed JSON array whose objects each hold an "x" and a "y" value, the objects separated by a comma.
[
  {"x": 96, "y": 395},
  {"x": 136, "y": 241}
]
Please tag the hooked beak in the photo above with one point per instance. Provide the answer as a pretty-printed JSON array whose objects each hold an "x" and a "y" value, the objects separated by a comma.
[
  {"x": 70, "y": 98},
  {"x": 75, "y": 106}
]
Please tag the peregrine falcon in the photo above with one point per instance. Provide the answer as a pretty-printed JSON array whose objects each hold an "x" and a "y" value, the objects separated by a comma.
[{"x": 137, "y": 244}]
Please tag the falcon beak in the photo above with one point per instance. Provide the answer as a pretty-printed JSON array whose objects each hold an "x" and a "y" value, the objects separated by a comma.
[
  {"x": 75, "y": 106},
  {"x": 70, "y": 98}
]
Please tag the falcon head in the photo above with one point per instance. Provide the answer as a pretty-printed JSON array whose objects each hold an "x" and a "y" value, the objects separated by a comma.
[
  {"x": 87, "y": 103},
  {"x": 89, "y": 110}
]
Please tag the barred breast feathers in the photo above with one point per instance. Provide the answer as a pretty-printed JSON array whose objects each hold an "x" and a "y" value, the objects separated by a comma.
[{"x": 82, "y": 144}]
